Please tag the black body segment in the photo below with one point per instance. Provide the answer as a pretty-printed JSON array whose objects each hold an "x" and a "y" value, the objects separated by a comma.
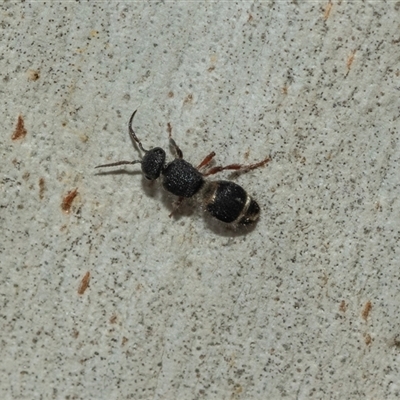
[
  {"x": 250, "y": 214},
  {"x": 226, "y": 200},
  {"x": 181, "y": 178},
  {"x": 153, "y": 163}
]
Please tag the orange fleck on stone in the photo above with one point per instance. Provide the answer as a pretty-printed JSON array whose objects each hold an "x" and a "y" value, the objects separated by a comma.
[
  {"x": 366, "y": 310},
  {"x": 68, "y": 199},
  {"x": 20, "y": 131},
  {"x": 84, "y": 283}
]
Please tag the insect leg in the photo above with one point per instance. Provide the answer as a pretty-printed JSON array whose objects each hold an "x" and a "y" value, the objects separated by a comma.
[{"x": 237, "y": 167}]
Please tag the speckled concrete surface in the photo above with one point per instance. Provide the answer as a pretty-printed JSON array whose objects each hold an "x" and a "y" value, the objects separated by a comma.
[{"x": 105, "y": 297}]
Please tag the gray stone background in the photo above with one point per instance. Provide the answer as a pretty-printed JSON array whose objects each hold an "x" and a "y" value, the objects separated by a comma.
[{"x": 305, "y": 305}]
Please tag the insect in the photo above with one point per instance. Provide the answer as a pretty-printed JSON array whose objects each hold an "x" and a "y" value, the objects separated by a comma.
[{"x": 224, "y": 200}]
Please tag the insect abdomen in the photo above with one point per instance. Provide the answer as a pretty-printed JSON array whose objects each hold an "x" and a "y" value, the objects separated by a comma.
[{"x": 229, "y": 202}]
